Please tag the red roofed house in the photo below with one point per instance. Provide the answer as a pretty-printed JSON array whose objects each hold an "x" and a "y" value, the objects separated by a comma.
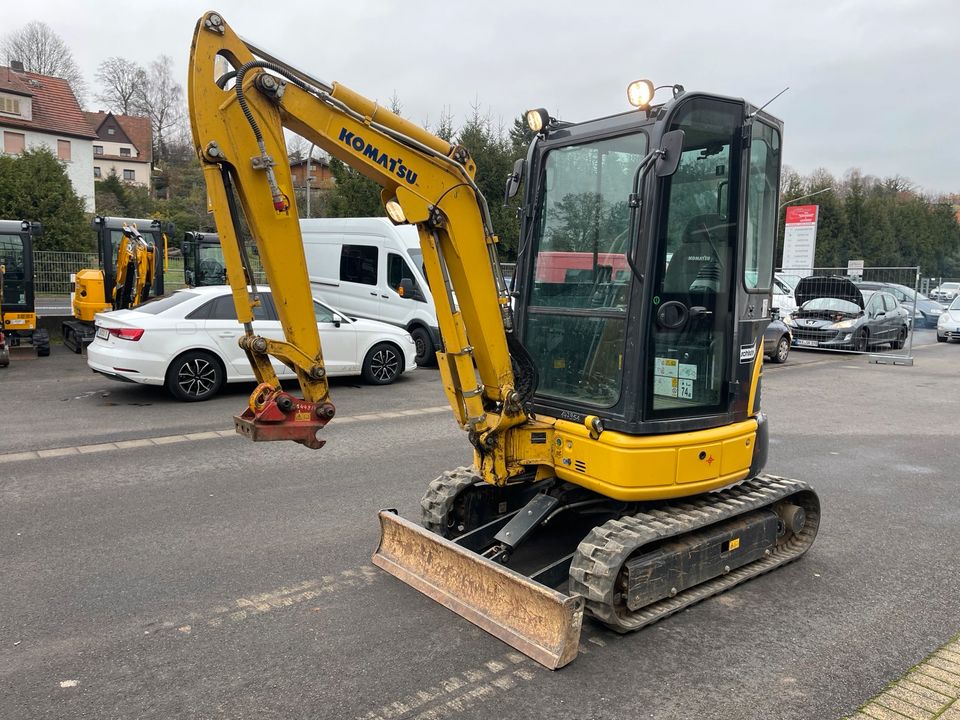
[
  {"x": 124, "y": 147},
  {"x": 40, "y": 110}
]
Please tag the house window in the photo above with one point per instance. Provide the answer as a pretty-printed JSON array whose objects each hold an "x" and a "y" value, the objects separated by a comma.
[
  {"x": 128, "y": 175},
  {"x": 96, "y": 171},
  {"x": 63, "y": 150},
  {"x": 110, "y": 131},
  {"x": 98, "y": 149},
  {"x": 125, "y": 152},
  {"x": 10, "y": 105},
  {"x": 13, "y": 143}
]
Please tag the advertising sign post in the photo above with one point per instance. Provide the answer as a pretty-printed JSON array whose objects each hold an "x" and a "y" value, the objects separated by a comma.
[{"x": 800, "y": 239}]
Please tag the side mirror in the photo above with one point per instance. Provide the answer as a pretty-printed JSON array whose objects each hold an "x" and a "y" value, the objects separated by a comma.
[
  {"x": 671, "y": 147},
  {"x": 337, "y": 319},
  {"x": 407, "y": 289},
  {"x": 513, "y": 180}
]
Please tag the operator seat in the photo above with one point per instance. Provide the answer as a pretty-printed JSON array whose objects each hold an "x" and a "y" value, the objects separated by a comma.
[{"x": 698, "y": 265}]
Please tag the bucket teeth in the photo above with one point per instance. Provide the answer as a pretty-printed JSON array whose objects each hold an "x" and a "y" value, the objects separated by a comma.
[{"x": 536, "y": 620}]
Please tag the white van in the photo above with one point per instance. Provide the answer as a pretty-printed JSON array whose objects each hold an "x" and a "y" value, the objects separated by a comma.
[{"x": 357, "y": 265}]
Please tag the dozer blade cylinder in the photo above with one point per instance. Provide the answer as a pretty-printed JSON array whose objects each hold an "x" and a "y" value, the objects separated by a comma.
[{"x": 536, "y": 620}]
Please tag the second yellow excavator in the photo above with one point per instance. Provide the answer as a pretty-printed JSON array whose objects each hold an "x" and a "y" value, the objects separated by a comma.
[
  {"x": 132, "y": 264},
  {"x": 613, "y": 402}
]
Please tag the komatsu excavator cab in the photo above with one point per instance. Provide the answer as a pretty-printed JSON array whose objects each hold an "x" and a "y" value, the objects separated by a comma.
[{"x": 643, "y": 295}]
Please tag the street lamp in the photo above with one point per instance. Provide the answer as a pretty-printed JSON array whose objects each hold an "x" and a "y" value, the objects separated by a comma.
[{"x": 802, "y": 197}]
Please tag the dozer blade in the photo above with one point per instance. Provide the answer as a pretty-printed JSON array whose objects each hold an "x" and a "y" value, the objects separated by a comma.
[{"x": 536, "y": 620}]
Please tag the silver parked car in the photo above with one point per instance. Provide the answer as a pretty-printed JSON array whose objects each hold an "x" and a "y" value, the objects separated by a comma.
[{"x": 835, "y": 314}]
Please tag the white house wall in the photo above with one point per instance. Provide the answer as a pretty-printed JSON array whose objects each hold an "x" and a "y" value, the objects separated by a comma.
[
  {"x": 79, "y": 168},
  {"x": 141, "y": 170}
]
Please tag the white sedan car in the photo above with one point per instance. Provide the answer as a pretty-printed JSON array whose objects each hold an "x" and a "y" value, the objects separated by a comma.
[
  {"x": 948, "y": 326},
  {"x": 187, "y": 341}
]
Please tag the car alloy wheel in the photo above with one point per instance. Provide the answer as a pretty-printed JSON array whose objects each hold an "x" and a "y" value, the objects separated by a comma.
[
  {"x": 783, "y": 349},
  {"x": 901, "y": 339},
  {"x": 861, "y": 340},
  {"x": 382, "y": 365},
  {"x": 195, "y": 376}
]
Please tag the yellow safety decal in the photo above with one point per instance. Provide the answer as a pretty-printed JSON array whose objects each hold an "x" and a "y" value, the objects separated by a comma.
[
  {"x": 303, "y": 417},
  {"x": 734, "y": 543}
]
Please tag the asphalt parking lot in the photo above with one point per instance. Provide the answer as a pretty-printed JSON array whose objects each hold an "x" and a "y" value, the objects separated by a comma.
[{"x": 200, "y": 576}]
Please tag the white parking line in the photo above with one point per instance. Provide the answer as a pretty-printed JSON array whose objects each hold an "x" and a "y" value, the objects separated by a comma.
[{"x": 190, "y": 437}]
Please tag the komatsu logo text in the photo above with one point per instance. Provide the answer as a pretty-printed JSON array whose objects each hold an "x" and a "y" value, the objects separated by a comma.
[{"x": 394, "y": 165}]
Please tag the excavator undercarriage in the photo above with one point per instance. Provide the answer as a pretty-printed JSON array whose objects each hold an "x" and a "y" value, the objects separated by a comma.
[{"x": 637, "y": 564}]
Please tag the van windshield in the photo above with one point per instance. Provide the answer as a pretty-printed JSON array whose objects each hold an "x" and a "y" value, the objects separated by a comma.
[{"x": 417, "y": 256}]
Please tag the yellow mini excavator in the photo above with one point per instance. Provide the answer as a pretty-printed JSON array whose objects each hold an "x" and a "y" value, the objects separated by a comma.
[
  {"x": 131, "y": 271},
  {"x": 612, "y": 402},
  {"x": 18, "y": 316}
]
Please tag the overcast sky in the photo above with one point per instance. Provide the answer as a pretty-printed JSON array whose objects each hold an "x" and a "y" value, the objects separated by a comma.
[{"x": 873, "y": 83}]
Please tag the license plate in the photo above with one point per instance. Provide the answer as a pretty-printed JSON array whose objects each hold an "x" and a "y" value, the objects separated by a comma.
[
  {"x": 806, "y": 343},
  {"x": 103, "y": 333}
]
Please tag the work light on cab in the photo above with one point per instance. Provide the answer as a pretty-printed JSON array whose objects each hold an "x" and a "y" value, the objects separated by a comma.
[
  {"x": 640, "y": 93},
  {"x": 538, "y": 119}
]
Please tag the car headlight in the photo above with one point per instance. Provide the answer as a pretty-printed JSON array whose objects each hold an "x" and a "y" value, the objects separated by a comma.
[
  {"x": 942, "y": 320},
  {"x": 843, "y": 324},
  {"x": 787, "y": 320}
]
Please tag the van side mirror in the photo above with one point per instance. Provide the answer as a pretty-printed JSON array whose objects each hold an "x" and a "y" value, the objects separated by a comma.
[
  {"x": 337, "y": 319},
  {"x": 671, "y": 147},
  {"x": 407, "y": 289},
  {"x": 513, "y": 180}
]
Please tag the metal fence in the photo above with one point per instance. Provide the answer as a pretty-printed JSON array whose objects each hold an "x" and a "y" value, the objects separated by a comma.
[
  {"x": 868, "y": 310},
  {"x": 52, "y": 271}
]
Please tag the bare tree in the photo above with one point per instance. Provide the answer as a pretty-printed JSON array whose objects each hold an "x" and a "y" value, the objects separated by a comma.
[
  {"x": 44, "y": 52},
  {"x": 160, "y": 98},
  {"x": 121, "y": 81}
]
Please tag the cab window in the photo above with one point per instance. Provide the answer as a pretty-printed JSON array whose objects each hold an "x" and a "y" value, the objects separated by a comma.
[{"x": 762, "y": 199}]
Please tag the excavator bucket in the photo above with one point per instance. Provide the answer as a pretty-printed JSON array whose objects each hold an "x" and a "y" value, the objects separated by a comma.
[{"x": 536, "y": 620}]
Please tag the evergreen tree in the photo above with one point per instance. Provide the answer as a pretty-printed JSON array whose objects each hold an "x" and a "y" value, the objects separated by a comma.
[
  {"x": 353, "y": 195},
  {"x": 35, "y": 186}
]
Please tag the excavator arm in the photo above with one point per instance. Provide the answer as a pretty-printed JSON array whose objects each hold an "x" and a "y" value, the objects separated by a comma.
[
  {"x": 241, "y": 100},
  {"x": 136, "y": 264}
]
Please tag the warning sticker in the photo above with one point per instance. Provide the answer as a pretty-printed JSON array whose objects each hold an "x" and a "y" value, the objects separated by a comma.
[
  {"x": 665, "y": 386},
  {"x": 688, "y": 371},
  {"x": 668, "y": 367}
]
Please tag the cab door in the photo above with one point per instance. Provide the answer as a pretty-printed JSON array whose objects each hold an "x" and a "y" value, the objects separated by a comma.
[{"x": 694, "y": 287}]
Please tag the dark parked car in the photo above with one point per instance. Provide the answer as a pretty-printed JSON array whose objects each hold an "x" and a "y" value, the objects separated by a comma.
[
  {"x": 928, "y": 311},
  {"x": 776, "y": 341},
  {"x": 834, "y": 313}
]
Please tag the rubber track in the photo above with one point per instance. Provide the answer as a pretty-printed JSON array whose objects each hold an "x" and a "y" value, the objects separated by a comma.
[
  {"x": 437, "y": 501},
  {"x": 601, "y": 555}
]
